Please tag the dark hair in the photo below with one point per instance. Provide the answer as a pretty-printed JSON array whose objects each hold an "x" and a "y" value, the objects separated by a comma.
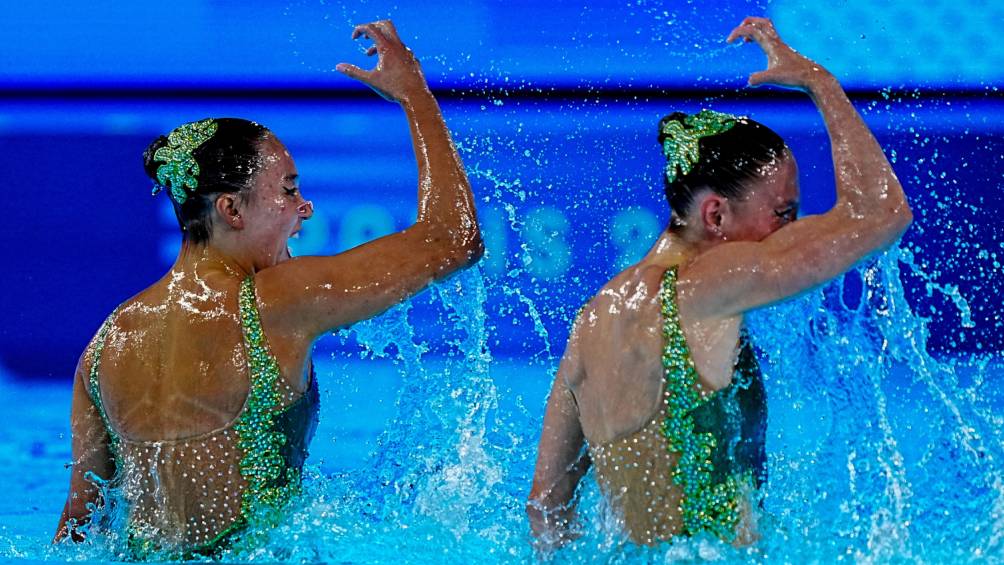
[
  {"x": 227, "y": 162},
  {"x": 728, "y": 161}
]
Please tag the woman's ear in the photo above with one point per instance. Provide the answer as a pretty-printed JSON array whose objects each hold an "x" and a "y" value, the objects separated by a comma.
[
  {"x": 712, "y": 210},
  {"x": 226, "y": 207}
]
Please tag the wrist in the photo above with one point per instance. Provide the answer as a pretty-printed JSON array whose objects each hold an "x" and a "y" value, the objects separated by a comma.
[
  {"x": 418, "y": 98},
  {"x": 818, "y": 81}
]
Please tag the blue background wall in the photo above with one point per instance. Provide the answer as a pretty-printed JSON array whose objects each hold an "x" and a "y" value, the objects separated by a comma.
[{"x": 554, "y": 108}]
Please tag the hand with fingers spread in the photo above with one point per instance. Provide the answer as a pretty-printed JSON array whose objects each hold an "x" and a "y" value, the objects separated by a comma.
[
  {"x": 397, "y": 75},
  {"x": 785, "y": 66}
]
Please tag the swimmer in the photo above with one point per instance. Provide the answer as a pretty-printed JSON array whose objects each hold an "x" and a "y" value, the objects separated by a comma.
[
  {"x": 659, "y": 387},
  {"x": 196, "y": 400}
]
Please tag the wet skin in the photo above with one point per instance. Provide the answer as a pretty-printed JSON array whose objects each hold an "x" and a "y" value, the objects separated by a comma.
[
  {"x": 617, "y": 394},
  {"x": 733, "y": 255},
  {"x": 276, "y": 209},
  {"x": 173, "y": 364}
]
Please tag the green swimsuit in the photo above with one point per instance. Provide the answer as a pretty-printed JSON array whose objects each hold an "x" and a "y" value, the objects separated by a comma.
[{"x": 689, "y": 468}]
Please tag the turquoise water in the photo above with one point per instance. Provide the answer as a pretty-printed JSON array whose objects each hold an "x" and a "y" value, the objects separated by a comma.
[{"x": 877, "y": 452}]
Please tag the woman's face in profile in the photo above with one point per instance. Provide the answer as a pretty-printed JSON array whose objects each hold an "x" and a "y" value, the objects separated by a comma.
[{"x": 275, "y": 209}]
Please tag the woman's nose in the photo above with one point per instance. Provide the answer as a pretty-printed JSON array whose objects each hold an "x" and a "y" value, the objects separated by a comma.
[{"x": 305, "y": 210}]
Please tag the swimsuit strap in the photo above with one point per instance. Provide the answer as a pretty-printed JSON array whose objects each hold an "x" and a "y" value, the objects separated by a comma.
[
  {"x": 263, "y": 366},
  {"x": 269, "y": 481},
  {"x": 94, "y": 387},
  {"x": 706, "y": 506},
  {"x": 680, "y": 371},
  {"x": 99, "y": 346}
]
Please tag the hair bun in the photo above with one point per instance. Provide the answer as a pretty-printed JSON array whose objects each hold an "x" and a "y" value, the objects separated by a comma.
[
  {"x": 674, "y": 117},
  {"x": 149, "y": 164}
]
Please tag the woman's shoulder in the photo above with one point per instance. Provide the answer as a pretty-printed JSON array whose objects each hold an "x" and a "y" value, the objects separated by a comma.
[
  {"x": 626, "y": 295},
  {"x": 646, "y": 278},
  {"x": 138, "y": 307},
  {"x": 178, "y": 298}
]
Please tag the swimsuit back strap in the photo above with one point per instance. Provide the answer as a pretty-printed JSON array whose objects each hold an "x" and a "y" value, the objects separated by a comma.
[
  {"x": 706, "y": 506},
  {"x": 678, "y": 365},
  {"x": 94, "y": 388},
  {"x": 263, "y": 366},
  {"x": 93, "y": 384},
  {"x": 270, "y": 482}
]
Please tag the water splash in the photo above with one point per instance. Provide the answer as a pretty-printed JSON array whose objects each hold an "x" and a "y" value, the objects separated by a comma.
[
  {"x": 878, "y": 451},
  {"x": 865, "y": 423}
]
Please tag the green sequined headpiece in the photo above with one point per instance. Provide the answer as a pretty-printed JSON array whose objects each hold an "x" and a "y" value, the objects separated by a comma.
[
  {"x": 180, "y": 170},
  {"x": 681, "y": 145}
]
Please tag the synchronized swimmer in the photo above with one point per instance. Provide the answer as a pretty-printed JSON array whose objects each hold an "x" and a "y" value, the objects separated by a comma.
[
  {"x": 659, "y": 379},
  {"x": 197, "y": 397}
]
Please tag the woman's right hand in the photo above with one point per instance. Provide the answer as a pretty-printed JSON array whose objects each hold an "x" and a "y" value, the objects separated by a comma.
[
  {"x": 397, "y": 75},
  {"x": 785, "y": 66}
]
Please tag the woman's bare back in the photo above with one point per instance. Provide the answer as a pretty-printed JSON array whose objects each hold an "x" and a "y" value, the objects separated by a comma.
[
  {"x": 174, "y": 364},
  {"x": 620, "y": 347}
]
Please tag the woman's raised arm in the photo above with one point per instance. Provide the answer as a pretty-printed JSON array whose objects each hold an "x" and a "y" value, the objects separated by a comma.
[
  {"x": 315, "y": 294},
  {"x": 870, "y": 214}
]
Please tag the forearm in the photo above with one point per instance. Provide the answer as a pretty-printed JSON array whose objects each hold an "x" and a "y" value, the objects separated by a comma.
[
  {"x": 444, "y": 193},
  {"x": 551, "y": 505},
  {"x": 550, "y": 519},
  {"x": 445, "y": 202},
  {"x": 865, "y": 180},
  {"x": 77, "y": 511}
]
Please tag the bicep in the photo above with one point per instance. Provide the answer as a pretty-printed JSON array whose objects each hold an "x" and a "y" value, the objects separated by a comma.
[
  {"x": 736, "y": 277},
  {"x": 318, "y": 294}
]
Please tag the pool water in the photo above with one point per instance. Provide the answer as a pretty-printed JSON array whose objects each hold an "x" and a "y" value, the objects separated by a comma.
[{"x": 877, "y": 451}]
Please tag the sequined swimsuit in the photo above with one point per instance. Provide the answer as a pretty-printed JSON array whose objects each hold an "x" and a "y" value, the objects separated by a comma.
[
  {"x": 191, "y": 496},
  {"x": 687, "y": 470}
]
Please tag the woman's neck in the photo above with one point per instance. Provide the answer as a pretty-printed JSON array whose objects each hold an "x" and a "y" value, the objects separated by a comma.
[
  {"x": 672, "y": 248},
  {"x": 669, "y": 249},
  {"x": 208, "y": 258}
]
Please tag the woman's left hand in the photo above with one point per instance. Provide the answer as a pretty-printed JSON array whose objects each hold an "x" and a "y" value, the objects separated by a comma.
[
  {"x": 785, "y": 66},
  {"x": 397, "y": 75}
]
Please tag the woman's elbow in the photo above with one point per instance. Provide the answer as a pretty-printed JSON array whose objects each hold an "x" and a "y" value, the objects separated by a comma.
[
  {"x": 899, "y": 218},
  {"x": 474, "y": 247},
  {"x": 458, "y": 247},
  {"x": 887, "y": 222},
  {"x": 905, "y": 216},
  {"x": 470, "y": 243}
]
